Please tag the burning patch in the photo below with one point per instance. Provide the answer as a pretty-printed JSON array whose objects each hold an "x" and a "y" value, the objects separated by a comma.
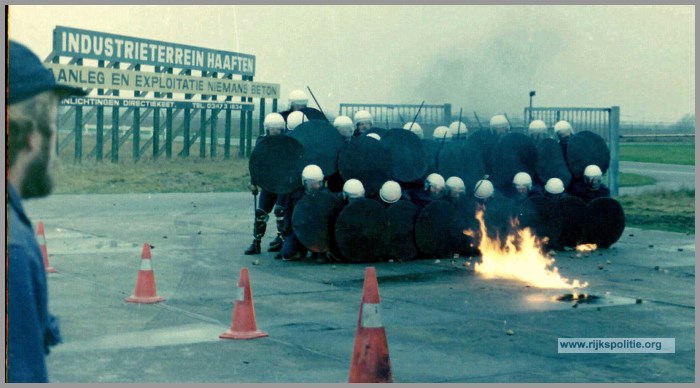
[{"x": 519, "y": 257}]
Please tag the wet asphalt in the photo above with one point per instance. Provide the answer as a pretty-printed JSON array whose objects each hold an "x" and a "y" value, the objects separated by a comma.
[{"x": 443, "y": 322}]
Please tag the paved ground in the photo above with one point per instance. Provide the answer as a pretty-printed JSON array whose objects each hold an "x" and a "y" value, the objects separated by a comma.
[
  {"x": 443, "y": 322},
  {"x": 668, "y": 176}
]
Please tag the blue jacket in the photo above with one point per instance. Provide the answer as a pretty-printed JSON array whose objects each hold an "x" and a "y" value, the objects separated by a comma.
[{"x": 32, "y": 329}]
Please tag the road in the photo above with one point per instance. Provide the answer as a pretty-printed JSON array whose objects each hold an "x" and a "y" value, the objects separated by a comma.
[
  {"x": 444, "y": 323},
  {"x": 668, "y": 176}
]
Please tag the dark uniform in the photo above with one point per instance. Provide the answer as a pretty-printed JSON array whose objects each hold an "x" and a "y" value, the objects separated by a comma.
[
  {"x": 266, "y": 203},
  {"x": 580, "y": 189},
  {"x": 292, "y": 248},
  {"x": 419, "y": 197}
]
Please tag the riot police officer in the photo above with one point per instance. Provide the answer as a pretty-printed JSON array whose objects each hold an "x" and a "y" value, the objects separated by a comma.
[
  {"x": 458, "y": 130},
  {"x": 483, "y": 191},
  {"x": 591, "y": 187},
  {"x": 455, "y": 187},
  {"x": 554, "y": 188},
  {"x": 363, "y": 122},
  {"x": 389, "y": 193},
  {"x": 297, "y": 100},
  {"x": 294, "y": 119},
  {"x": 442, "y": 133},
  {"x": 312, "y": 180},
  {"x": 432, "y": 190},
  {"x": 344, "y": 126},
  {"x": 499, "y": 125},
  {"x": 537, "y": 130},
  {"x": 564, "y": 131},
  {"x": 523, "y": 187},
  {"x": 415, "y": 128},
  {"x": 353, "y": 190},
  {"x": 274, "y": 125}
]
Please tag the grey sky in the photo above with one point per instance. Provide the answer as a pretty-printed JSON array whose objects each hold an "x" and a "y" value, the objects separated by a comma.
[{"x": 480, "y": 58}]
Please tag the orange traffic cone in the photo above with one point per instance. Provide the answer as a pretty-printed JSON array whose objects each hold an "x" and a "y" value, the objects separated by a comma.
[
  {"x": 42, "y": 245},
  {"x": 243, "y": 321},
  {"x": 370, "y": 355},
  {"x": 145, "y": 290}
]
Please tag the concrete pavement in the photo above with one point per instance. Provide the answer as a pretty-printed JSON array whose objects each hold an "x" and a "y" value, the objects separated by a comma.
[{"x": 444, "y": 323}]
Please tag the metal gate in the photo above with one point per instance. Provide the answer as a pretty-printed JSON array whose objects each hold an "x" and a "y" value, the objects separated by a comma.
[
  {"x": 396, "y": 115},
  {"x": 603, "y": 121}
]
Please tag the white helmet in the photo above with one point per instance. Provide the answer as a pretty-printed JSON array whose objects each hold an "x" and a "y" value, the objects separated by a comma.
[
  {"x": 435, "y": 180},
  {"x": 554, "y": 186},
  {"x": 483, "y": 189},
  {"x": 294, "y": 119},
  {"x": 455, "y": 183},
  {"x": 592, "y": 171},
  {"x": 344, "y": 125},
  {"x": 411, "y": 125},
  {"x": 499, "y": 122},
  {"x": 342, "y": 121},
  {"x": 537, "y": 126},
  {"x": 312, "y": 172},
  {"x": 362, "y": 116},
  {"x": 415, "y": 128},
  {"x": 563, "y": 126},
  {"x": 374, "y": 135},
  {"x": 458, "y": 128},
  {"x": 390, "y": 192},
  {"x": 353, "y": 189},
  {"x": 442, "y": 132},
  {"x": 522, "y": 179},
  {"x": 298, "y": 97},
  {"x": 274, "y": 121}
]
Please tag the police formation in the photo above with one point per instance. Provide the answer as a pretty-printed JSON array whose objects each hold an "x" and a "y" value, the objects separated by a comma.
[{"x": 352, "y": 192}]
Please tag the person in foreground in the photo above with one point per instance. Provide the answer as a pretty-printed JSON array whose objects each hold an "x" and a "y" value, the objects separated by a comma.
[{"x": 33, "y": 96}]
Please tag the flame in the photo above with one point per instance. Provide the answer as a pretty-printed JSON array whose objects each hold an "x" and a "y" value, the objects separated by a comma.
[
  {"x": 520, "y": 258},
  {"x": 586, "y": 247}
]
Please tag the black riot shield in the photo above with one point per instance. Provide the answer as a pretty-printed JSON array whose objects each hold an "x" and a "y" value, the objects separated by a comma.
[
  {"x": 285, "y": 114},
  {"x": 586, "y": 148},
  {"x": 401, "y": 244},
  {"x": 314, "y": 219},
  {"x": 437, "y": 229},
  {"x": 406, "y": 153},
  {"x": 498, "y": 214},
  {"x": 379, "y": 131},
  {"x": 276, "y": 164},
  {"x": 467, "y": 225},
  {"x": 366, "y": 160},
  {"x": 484, "y": 141},
  {"x": 431, "y": 148},
  {"x": 461, "y": 159},
  {"x": 551, "y": 163},
  {"x": 313, "y": 114},
  {"x": 573, "y": 212},
  {"x": 542, "y": 215},
  {"x": 514, "y": 152},
  {"x": 361, "y": 231},
  {"x": 321, "y": 143},
  {"x": 604, "y": 222}
]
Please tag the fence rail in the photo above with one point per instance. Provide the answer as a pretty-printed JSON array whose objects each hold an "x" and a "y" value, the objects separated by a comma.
[{"x": 396, "y": 115}]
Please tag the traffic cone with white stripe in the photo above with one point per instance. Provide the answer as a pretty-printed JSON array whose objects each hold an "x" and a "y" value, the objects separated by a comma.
[
  {"x": 41, "y": 237},
  {"x": 370, "y": 355},
  {"x": 243, "y": 321},
  {"x": 145, "y": 290}
]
